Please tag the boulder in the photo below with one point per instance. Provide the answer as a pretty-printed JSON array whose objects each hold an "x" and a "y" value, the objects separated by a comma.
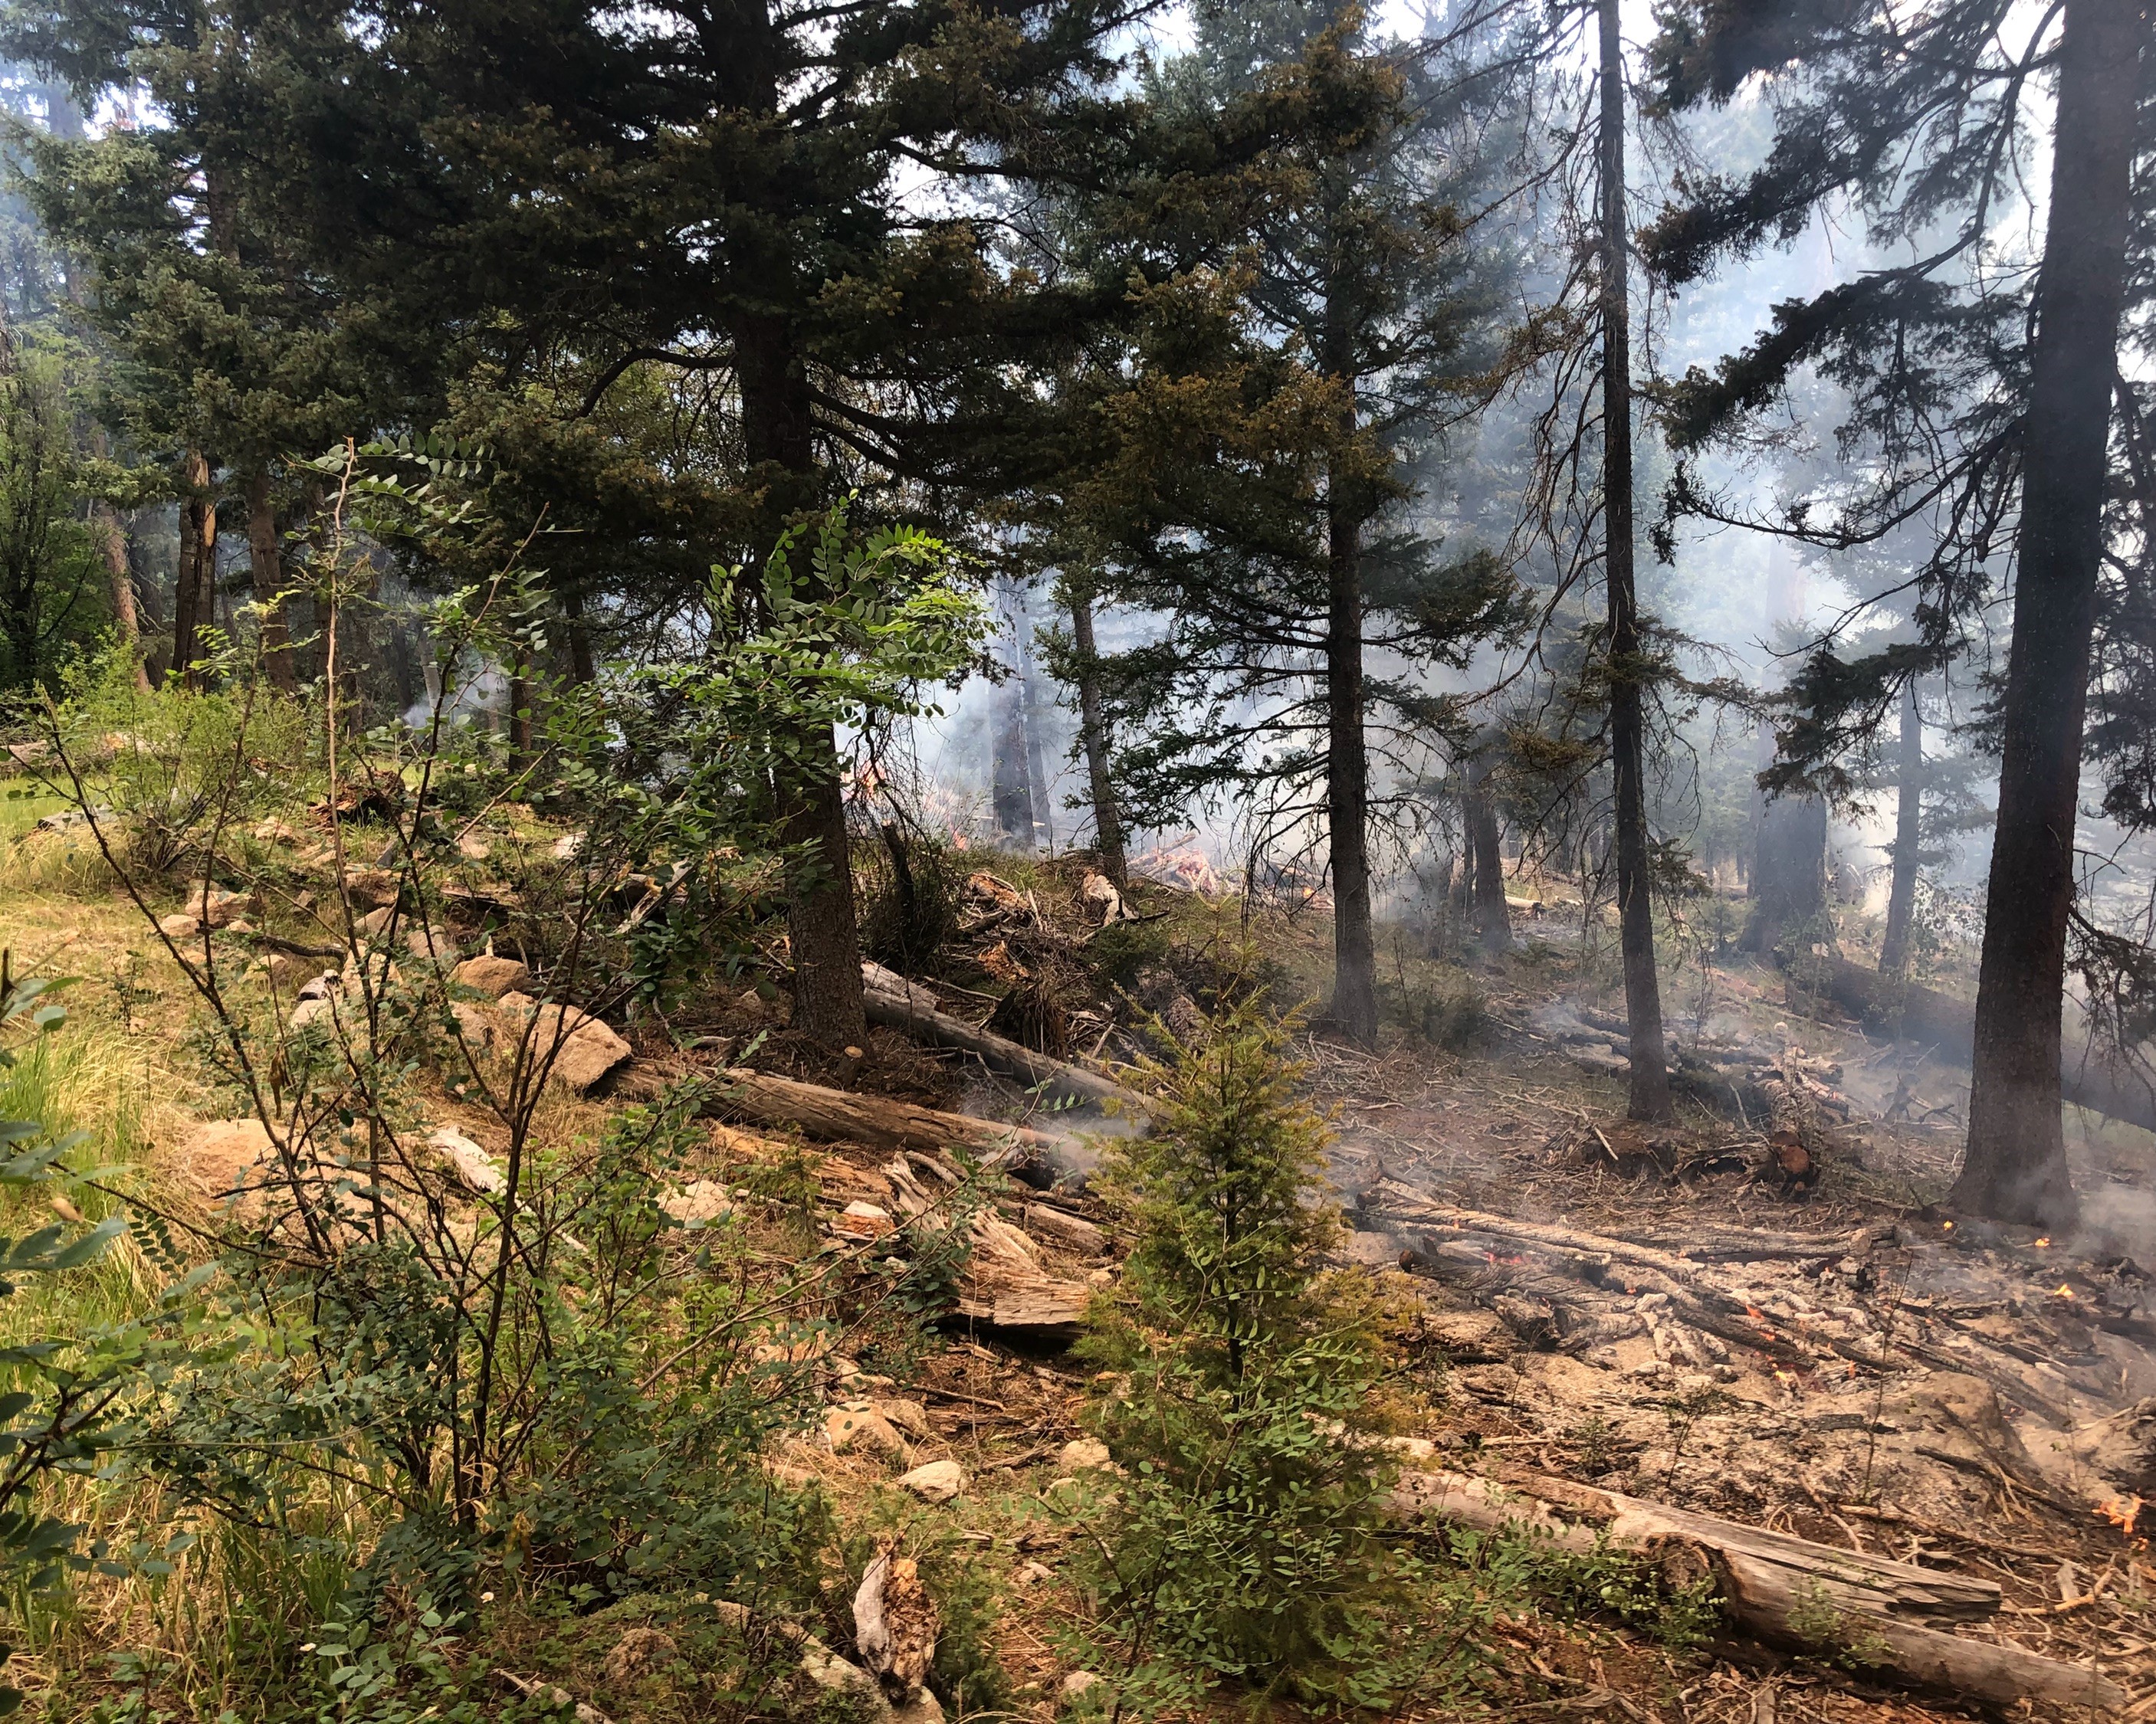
[
  {"x": 938, "y": 1481},
  {"x": 908, "y": 1416},
  {"x": 213, "y": 907},
  {"x": 179, "y": 927},
  {"x": 584, "y": 1050},
  {"x": 698, "y": 1204},
  {"x": 226, "y": 1159},
  {"x": 1085, "y": 1455},
  {"x": 491, "y": 976},
  {"x": 856, "y": 1426}
]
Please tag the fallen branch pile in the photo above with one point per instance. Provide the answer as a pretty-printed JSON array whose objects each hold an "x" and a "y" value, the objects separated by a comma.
[{"x": 1878, "y": 1617}]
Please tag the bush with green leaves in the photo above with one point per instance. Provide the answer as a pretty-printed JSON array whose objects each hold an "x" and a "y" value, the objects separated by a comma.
[
  {"x": 1247, "y": 1541},
  {"x": 62, "y": 1397}
]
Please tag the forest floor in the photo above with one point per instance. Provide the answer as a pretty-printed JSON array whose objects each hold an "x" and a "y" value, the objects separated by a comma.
[{"x": 1840, "y": 1362}]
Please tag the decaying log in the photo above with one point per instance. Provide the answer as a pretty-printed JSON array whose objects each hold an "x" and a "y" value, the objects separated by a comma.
[
  {"x": 894, "y": 1002},
  {"x": 1877, "y": 1617},
  {"x": 1912, "y": 1012},
  {"x": 897, "y": 1127}
]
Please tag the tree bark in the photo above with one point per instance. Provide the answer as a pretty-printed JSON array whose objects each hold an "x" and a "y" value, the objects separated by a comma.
[
  {"x": 267, "y": 566},
  {"x": 1789, "y": 874},
  {"x": 2015, "y": 1166},
  {"x": 1010, "y": 788},
  {"x": 1093, "y": 733},
  {"x": 127, "y": 620},
  {"x": 1908, "y": 836},
  {"x": 1643, "y": 1000},
  {"x": 778, "y": 429},
  {"x": 1494, "y": 920},
  {"x": 520, "y": 711},
  {"x": 194, "y": 596},
  {"x": 1036, "y": 767},
  {"x": 583, "y": 667},
  {"x": 1347, "y": 785}
]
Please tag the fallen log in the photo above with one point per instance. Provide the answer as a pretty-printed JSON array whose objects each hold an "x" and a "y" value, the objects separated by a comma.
[
  {"x": 1874, "y": 1616},
  {"x": 897, "y": 1004},
  {"x": 896, "y": 1127},
  {"x": 1909, "y": 1011}
]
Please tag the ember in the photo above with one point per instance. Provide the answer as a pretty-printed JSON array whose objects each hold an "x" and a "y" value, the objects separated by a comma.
[{"x": 2122, "y": 1515}]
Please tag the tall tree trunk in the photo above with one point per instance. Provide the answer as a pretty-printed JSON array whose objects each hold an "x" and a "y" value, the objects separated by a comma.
[
  {"x": 1908, "y": 836},
  {"x": 1036, "y": 766},
  {"x": 1093, "y": 733},
  {"x": 1635, "y": 906},
  {"x": 1789, "y": 872},
  {"x": 778, "y": 423},
  {"x": 2015, "y": 1166},
  {"x": 1493, "y": 920},
  {"x": 1347, "y": 782},
  {"x": 127, "y": 620},
  {"x": 583, "y": 666},
  {"x": 267, "y": 566},
  {"x": 1010, "y": 789},
  {"x": 194, "y": 598}
]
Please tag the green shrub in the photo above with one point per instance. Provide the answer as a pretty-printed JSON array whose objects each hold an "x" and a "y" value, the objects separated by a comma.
[{"x": 1123, "y": 952}]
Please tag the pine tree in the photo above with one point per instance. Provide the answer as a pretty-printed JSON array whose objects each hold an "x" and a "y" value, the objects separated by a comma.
[
  {"x": 714, "y": 192},
  {"x": 1985, "y": 395},
  {"x": 1310, "y": 320}
]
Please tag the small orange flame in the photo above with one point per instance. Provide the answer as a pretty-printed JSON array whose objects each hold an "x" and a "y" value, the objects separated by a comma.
[
  {"x": 2123, "y": 1515},
  {"x": 2062, "y": 1291},
  {"x": 1948, "y": 1226},
  {"x": 2041, "y": 1243}
]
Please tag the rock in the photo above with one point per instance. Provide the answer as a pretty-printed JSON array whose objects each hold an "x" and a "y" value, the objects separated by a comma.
[
  {"x": 938, "y": 1481},
  {"x": 924, "y": 1708},
  {"x": 273, "y": 831},
  {"x": 320, "y": 985},
  {"x": 473, "y": 1024},
  {"x": 431, "y": 943},
  {"x": 857, "y": 1426},
  {"x": 376, "y": 922},
  {"x": 1031, "y": 1573},
  {"x": 828, "y": 1671},
  {"x": 1085, "y": 1455},
  {"x": 698, "y": 1204},
  {"x": 474, "y": 1167},
  {"x": 179, "y": 927},
  {"x": 372, "y": 886},
  {"x": 472, "y": 845},
  {"x": 638, "y": 1653},
  {"x": 314, "y": 1008},
  {"x": 908, "y": 1416},
  {"x": 213, "y": 907},
  {"x": 490, "y": 976},
  {"x": 567, "y": 846},
  {"x": 240, "y": 925},
  {"x": 860, "y": 1220},
  {"x": 227, "y": 1159},
  {"x": 583, "y": 1049},
  {"x": 1078, "y": 1684}
]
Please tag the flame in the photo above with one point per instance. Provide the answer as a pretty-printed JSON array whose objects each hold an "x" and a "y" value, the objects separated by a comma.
[
  {"x": 2062, "y": 1291},
  {"x": 2041, "y": 1243},
  {"x": 2122, "y": 1515},
  {"x": 1948, "y": 1226}
]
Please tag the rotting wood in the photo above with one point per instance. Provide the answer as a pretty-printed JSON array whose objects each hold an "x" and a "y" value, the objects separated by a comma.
[
  {"x": 897, "y": 1004},
  {"x": 896, "y": 1127},
  {"x": 1872, "y": 1615}
]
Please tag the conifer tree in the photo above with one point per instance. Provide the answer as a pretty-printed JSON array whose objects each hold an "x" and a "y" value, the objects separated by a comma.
[
  {"x": 713, "y": 190},
  {"x": 1311, "y": 320},
  {"x": 1983, "y": 399}
]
